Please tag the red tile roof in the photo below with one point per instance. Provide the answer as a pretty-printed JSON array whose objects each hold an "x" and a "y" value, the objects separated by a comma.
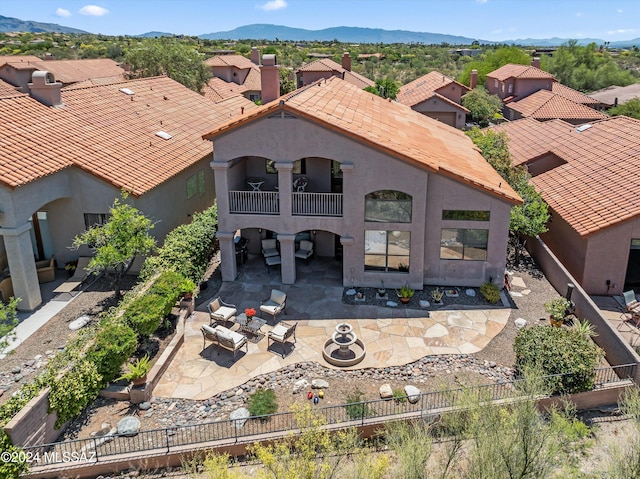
[
  {"x": 387, "y": 126},
  {"x": 545, "y": 105},
  {"x": 18, "y": 59},
  {"x": 328, "y": 65},
  {"x": 512, "y": 70},
  {"x": 72, "y": 71},
  {"x": 573, "y": 95},
  {"x": 8, "y": 90},
  {"x": 237, "y": 61},
  {"x": 423, "y": 88},
  {"x": 598, "y": 186},
  {"x": 217, "y": 89},
  {"x": 110, "y": 134}
]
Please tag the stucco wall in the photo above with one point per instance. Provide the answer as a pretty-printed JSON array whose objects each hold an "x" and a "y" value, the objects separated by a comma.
[
  {"x": 436, "y": 105},
  {"x": 310, "y": 77}
]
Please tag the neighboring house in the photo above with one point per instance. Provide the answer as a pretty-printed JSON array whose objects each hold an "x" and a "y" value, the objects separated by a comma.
[
  {"x": 574, "y": 95},
  {"x": 545, "y": 105},
  {"x": 588, "y": 176},
  {"x": 327, "y": 68},
  {"x": 217, "y": 89},
  {"x": 237, "y": 70},
  {"x": 517, "y": 81},
  {"x": 18, "y": 70},
  {"x": 436, "y": 96},
  {"x": 398, "y": 196},
  {"x": 616, "y": 95},
  {"x": 66, "y": 154}
]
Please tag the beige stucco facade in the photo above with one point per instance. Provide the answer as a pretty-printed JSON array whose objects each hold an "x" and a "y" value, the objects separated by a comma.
[{"x": 241, "y": 153}]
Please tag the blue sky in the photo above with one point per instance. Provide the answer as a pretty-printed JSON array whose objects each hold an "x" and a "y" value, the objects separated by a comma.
[{"x": 494, "y": 20}]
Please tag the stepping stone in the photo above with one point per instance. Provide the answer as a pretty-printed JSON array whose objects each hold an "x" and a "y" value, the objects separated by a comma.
[
  {"x": 79, "y": 323},
  {"x": 518, "y": 282},
  {"x": 515, "y": 294},
  {"x": 436, "y": 331},
  {"x": 525, "y": 291}
]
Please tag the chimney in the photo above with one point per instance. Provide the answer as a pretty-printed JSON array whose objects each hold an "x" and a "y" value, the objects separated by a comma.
[
  {"x": 45, "y": 88},
  {"x": 346, "y": 61},
  {"x": 49, "y": 56},
  {"x": 255, "y": 55},
  {"x": 535, "y": 62},
  {"x": 473, "y": 79},
  {"x": 270, "y": 78}
]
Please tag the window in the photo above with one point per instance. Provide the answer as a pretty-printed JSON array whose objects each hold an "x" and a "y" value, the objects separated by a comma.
[
  {"x": 510, "y": 87},
  {"x": 495, "y": 83},
  {"x": 254, "y": 97},
  {"x": 202, "y": 186},
  {"x": 387, "y": 206},
  {"x": 466, "y": 244},
  {"x": 192, "y": 186},
  {"x": 386, "y": 250},
  {"x": 466, "y": 215},
  {"x": 299, "y": 167},
  {"x": 93, "y": 219}
]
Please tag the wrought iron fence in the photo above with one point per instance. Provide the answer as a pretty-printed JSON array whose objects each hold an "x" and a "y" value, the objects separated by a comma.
[{"x": 228, "y": 432}]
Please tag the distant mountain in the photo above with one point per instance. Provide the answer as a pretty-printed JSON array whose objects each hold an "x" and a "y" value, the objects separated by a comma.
[
  {"x": 8, "y": 24},
  {"x": 342, "y": 34},
  {"x": 155, "y": 34},
  {"x": 555, "y": 41}
]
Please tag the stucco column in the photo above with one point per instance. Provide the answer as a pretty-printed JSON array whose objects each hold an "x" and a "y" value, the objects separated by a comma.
[
  {"x": 350, "y": 267},
  {"x": 227, "y": 256},
  {"x": 287, "y": 254},
  {"x": 285, "y": 187},
  {"x": 221, "y": 184},
  {"x": 17, "y": 242}
]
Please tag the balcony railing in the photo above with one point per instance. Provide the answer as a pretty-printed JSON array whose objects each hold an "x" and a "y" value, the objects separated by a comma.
[
  {"x": 316, "y": 204},
  {"x": 260, "y": 202}
]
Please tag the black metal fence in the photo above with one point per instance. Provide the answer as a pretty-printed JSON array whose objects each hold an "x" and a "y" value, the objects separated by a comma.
[{"x": 221, "y": 433}]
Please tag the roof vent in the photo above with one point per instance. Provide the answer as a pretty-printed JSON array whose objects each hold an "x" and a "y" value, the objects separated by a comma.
[
  {"x": 582, "y": 128},
  {"x": 163, "y": 134},
  {"x": 127, "y": 91}
]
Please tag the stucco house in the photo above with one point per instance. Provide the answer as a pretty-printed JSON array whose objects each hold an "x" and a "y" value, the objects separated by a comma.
[
  {"x": 236, "y": 74},
  {"x": 436, "y": 96},
  {"x": 588, "y": 176},
  {"x": 397, "y": 196},
  {"x": 66, "y": 154},
  {"x": 327, "y": 68}
]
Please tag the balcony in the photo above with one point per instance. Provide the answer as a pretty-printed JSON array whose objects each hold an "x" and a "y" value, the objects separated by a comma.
[{"x": 302, "y": 204}]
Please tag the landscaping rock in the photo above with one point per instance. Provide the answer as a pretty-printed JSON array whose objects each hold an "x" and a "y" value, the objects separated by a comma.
[
  {"x": 424, "y": 303},
  {"x": 520, "y": 323},
  {"x": 239, "y": 417},
  {"x": 386, "y": 392},
  {"x": 79, "y": 323},
  {"x": 143, "y": 406},
  {"x": 413, "y": 394},
  {"x": 300, "y": 385},
  {"x": 392, "y": 304},
  {"x": 319, "y": 384},
  {"x": 129, "y": 426}
]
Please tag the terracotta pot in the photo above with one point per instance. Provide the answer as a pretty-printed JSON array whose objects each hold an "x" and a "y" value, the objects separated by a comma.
[
  {"x": 405, "y": 300},
  {"x": 139, "y": 381},
  {"x": 556, "y": 322}
]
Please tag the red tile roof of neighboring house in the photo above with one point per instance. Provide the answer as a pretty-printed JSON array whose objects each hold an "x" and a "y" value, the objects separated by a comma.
[
  {"x": 512, "y": 70},
  {"x": 109, "y": 133},
  {"x": 573, "y": 95},
  {"x": 217, "y": 89},
  {"x": 18, "y": 59},
  {"x": 72, "y": 71},
  {"x": 8, "y": 90},
  {"x": 423, "y": 88},
  {"x": 93, "y": 82},
  {"x": 598, "y": 185},
  {"x": 237, "y": 61},
  {"x": 253, "y": 82},
  {"x": 545, "y": 105},
  {"x": 387, "y": 126},
  {"x": 328, "y": 65}
]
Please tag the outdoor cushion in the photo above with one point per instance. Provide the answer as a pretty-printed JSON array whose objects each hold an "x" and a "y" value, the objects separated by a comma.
[
  {"x": 208, "y": 329},
  {"x": 225, "y": 312},
  {"x": 278, "y": 332}
]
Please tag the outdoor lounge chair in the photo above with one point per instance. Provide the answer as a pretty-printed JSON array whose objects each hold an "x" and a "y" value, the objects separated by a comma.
[
  {"x": 281, "y": 334},
  {"x": 305, "y": 251},
  {"x": 46, "y": 270},
  {"x": 275, "y": 304},
  {"x": 269, "y": 248},
  {"x": 221, "y": 311},
  {"x": 79, "y": 276},
  {"x": 631, "y": 303},
  {"x": 224, "y": 338}
]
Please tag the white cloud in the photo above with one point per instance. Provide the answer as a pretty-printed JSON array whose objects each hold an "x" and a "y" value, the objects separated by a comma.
[
  {"x": 619, "y": 10},
  {"x": 621, "y": 30},
  {"x": 61, "y": 12},
  {"x": 93, "y": 11},
  {"x": 579, "y": 14},
  {"x": 273, "y": 5},
  {"x": 482, "y": 1}
]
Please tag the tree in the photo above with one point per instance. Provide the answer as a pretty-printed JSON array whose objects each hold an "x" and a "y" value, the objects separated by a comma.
[
  {"x": 287, "y": 83},
  {"x": 386, "y": 88},
  {"x": 492, "y": 61},
  {"x": 119, "y": 241},
  {"x": 167, "y": 56},
  {"x": 630, "y": 108},
  {"x": 483, "y": 107}
]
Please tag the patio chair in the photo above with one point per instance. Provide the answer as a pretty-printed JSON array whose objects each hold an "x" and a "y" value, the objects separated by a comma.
[
  {"x": 300, "y": 184},
  {"x": 269, "y": 248},
  {"x": 224, "y": 338},
  {"x": 631, "y": 303},
  {"x": 79, "y": 276},
  {"x": 46, "y": 270},
  {"x": 6, "y": 289},
  {"x": 275, "y": 304},
  {"x": 221, "y": 311},
  {"x": 281, "y": 334},
  {"x": 305, "y": 251}
]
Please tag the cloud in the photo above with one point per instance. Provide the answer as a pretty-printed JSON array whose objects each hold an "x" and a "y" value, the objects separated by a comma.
[
  {"x": 93, "y": 11},
  {"x": 273, "y": 5},
  {"x": 482, "y": 1},
  {"x": 579, "y": 14},
  {"x": 621, "y": 30},
  {"x": 619, "y": 10},
  {"x": 61, "y": 12}
]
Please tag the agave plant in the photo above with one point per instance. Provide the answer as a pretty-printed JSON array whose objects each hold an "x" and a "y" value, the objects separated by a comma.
[{"x": 585, "y": 328}]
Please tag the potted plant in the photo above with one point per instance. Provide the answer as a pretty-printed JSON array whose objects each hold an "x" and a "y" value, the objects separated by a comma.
[
  {"x": 557, "y": 310},
  {"x": 138, "y": 371},
  {"x": 381, "y": 290},
  {"x": 70, "y": 267},
  {"x": 437, "y": 295},
  {"x": 405, "y": 293}
]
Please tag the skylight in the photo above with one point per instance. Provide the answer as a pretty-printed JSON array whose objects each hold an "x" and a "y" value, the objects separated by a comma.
[
  {"x": 127, "y": 91},
  {"x": 163, "y": 134},
  {"x": 582, "y": 128}
]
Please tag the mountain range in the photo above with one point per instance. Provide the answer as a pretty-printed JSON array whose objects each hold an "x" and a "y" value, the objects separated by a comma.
[{"x": 343, "y": 34}]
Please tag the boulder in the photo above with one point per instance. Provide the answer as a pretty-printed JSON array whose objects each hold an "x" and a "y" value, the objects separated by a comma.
[
  {"x": 319, "y": 384},
  {"x": 520, "y": 323},
  {"x": 300, "y": 385},
  {"x": 79, "y": 323},
  {"x": 386, "y": 392},
  {"x": 239, "y": 417},
  {"x": 413, "y": 394},
  {"x": 129, "y": 426}
]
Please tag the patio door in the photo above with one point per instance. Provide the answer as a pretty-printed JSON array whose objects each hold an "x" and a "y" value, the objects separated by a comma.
[
  {"x": 41, "y": 240},
  {"x": 632, "y": 278}
]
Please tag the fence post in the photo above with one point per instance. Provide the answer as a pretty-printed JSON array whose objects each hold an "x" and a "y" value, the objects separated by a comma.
[
  {"x": 166, "y": 436},
  {"x": 95, "y": 448}
]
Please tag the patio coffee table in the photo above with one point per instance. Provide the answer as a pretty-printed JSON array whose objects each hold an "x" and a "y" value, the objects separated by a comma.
[{"x": 250, "y": 326}]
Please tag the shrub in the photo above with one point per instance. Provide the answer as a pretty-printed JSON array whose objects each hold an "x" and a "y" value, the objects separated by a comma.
[
  {"x": 263, "y": 402},
  {"x": 558, "y": 351},
  {"x": 490, "y": 292},
  {"x": 399, "y": 395},
  {"x": 74, "y": 390},
  {"x": 171, "y": 285},
  {"x": 113, "y": 345},
  {"x": 144, "y": 314},
  {"x": 356, "y": 407}
]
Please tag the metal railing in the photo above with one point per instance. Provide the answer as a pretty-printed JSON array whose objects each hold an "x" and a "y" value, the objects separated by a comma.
[
  {"x": 258, "y": 202},
  {"x": 316, "y": 204},
  {"x": 226, "y": 432}
]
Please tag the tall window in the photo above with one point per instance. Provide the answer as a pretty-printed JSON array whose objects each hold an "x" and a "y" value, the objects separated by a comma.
[
  {"x": 465, "y": 244},
  {"x": 386, "y": 250},
  {"x": 387, "y": 206}
]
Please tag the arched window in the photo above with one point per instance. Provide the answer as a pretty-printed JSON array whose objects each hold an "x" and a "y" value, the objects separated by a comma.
[{"x": 387, "y": 206}]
